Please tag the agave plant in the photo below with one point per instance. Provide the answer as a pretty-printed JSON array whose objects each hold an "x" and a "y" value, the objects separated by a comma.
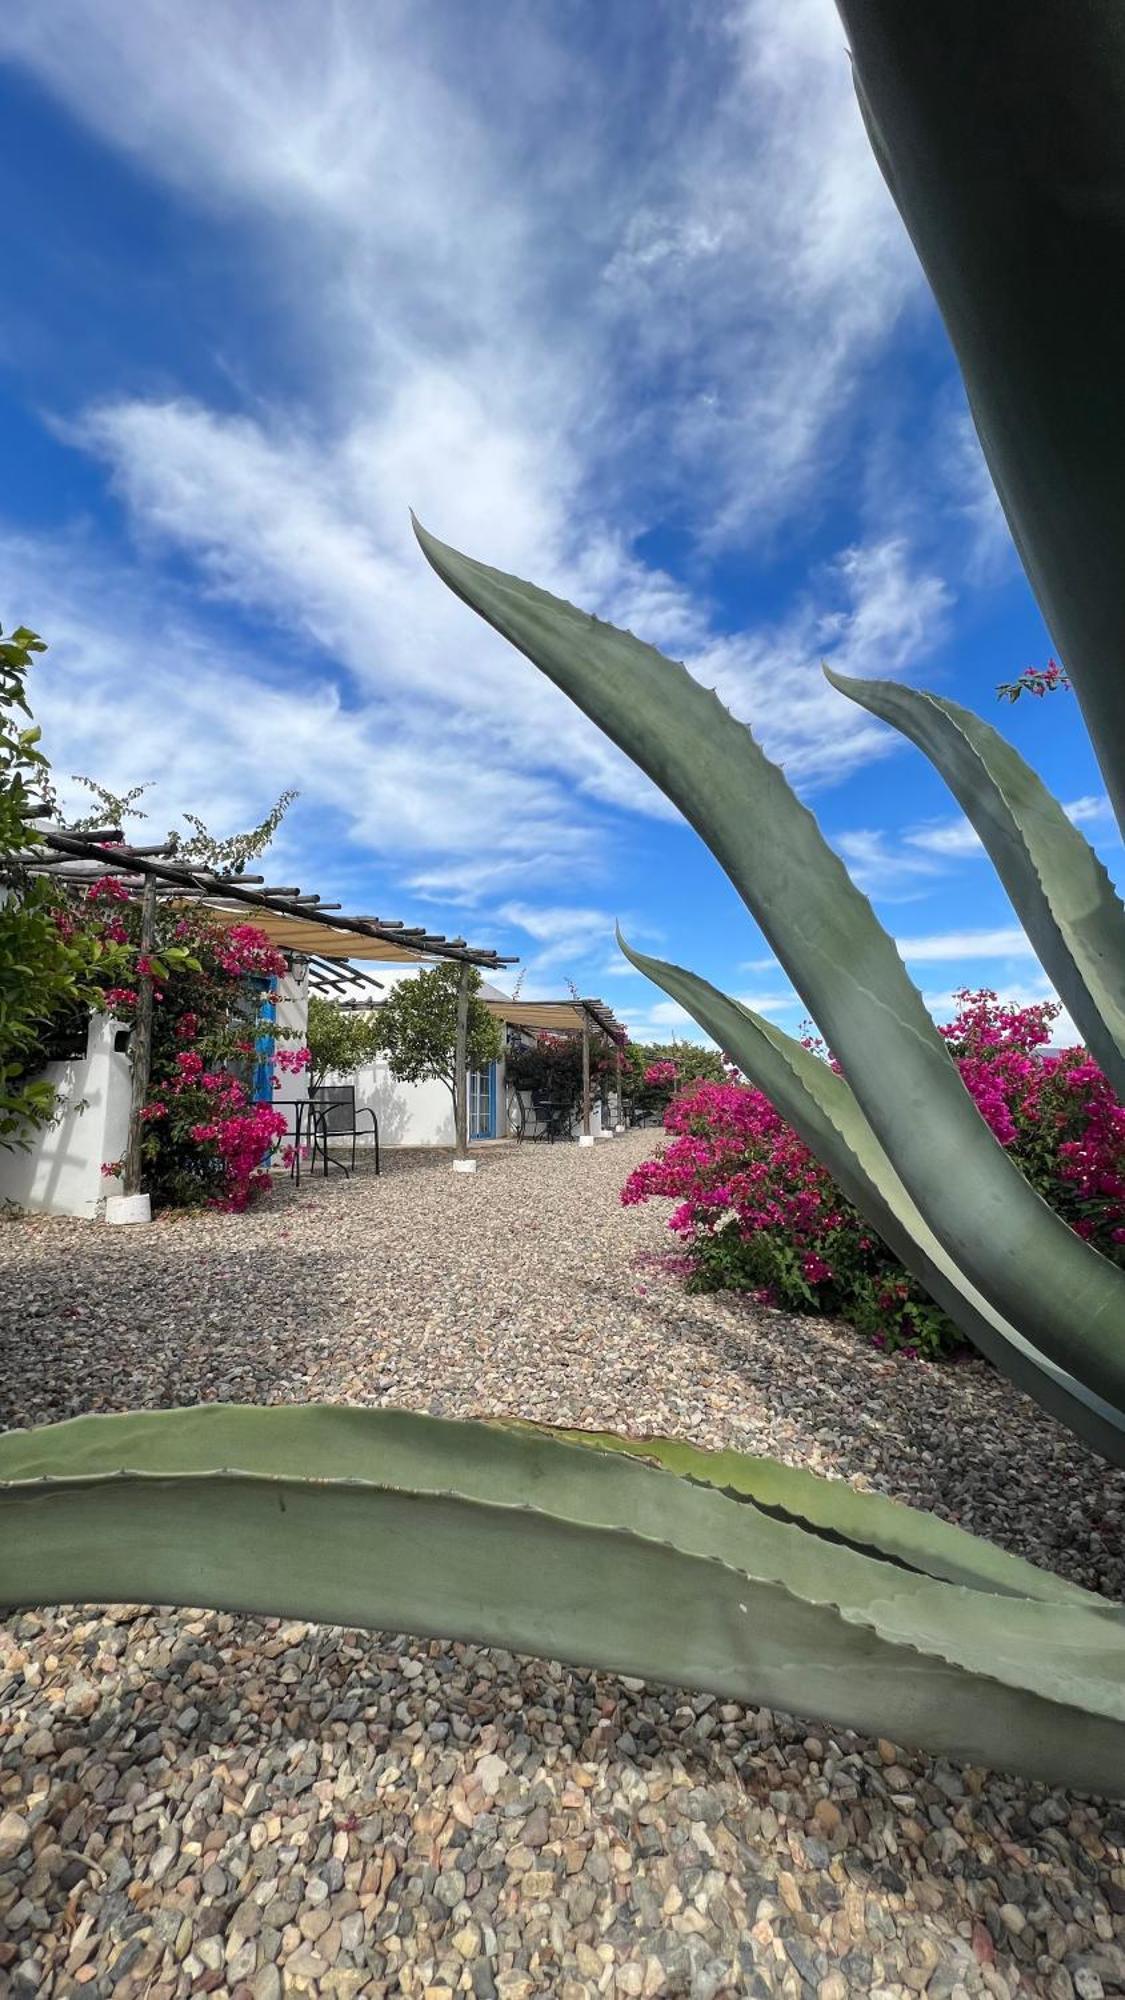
[
  {"x": 728, "y": 1573},
  {"x": 901, "y": 1135},
  {"x": 650, "y": 1557}
]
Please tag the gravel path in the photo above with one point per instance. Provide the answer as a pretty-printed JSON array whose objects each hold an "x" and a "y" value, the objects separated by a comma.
[{"x": 201, "y": 1803}]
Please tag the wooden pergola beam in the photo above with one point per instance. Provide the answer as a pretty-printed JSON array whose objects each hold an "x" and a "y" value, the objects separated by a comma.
[{"x": 132, "y": 861}]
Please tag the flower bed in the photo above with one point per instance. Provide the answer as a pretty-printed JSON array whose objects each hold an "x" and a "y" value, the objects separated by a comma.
[{"x": 757, "y": 1212}]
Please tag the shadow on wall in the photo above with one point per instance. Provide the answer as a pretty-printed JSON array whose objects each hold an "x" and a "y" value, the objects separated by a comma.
[
  {"x": 59, "y": 1171},
  {"x": 409, "y": 1114}
]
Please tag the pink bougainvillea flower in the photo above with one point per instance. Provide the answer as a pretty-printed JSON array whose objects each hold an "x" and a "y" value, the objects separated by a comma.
[{"x": 736, "y": 1173}]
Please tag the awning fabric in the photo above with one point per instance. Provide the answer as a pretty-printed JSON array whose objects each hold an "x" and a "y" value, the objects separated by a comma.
[
  {"x": 295, "y": 935},
  {"x": 558, "y": 1017}
]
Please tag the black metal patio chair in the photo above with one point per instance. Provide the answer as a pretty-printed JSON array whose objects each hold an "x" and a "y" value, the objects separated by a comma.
[
  {"x": 554, "y": 1117},
  {"x": 333, "y": 1115}
]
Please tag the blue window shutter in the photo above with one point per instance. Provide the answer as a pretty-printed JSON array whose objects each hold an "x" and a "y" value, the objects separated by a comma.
[{"x": 262, "y": 1092}]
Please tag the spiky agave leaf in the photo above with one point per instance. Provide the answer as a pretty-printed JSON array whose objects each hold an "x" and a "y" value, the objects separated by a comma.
[
  {"x": 1058, "y": 887},
  {"x": 845, "y": 1514},
  {"x": 821, "y": 1107},
  {"x": 1061, "y": 1295},
  {"x": 1022, "y": 237},
  {"x": 385, "y": 1519}
]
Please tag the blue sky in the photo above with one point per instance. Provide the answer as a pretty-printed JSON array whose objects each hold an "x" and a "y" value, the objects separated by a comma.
[{"x": 614, "y": 298}]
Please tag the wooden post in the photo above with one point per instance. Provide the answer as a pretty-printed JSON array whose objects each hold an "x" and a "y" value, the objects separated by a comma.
[
  {"x": 586, "y": 1077},
  {"x": 141, "y": 1044},
  {"x": 620, "y": 1118},
  {"x": 461, "y": 1066}
]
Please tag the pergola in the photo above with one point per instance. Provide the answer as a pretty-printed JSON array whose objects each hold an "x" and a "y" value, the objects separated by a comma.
[
  {"x": 562, "y": 1017},
  {"x": 295, "y": 922}
]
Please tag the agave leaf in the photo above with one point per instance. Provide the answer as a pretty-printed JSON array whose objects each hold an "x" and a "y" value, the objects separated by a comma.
[
  {"x": 1064, "y": 1298},
  {"x": 1059, "y": 889},
  {"x": 385, "y": 1519},
  {"x": 1019, "y": 240},
  {"x": 818, "y": 1103},
  {"x": 846, "y": 1514}
]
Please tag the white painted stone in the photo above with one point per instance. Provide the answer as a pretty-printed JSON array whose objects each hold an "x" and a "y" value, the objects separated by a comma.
[
  {"x": 464, "y": 1166},
  {"x": 128, "y": 1208},
  {"x": 585, "y": 1138}
]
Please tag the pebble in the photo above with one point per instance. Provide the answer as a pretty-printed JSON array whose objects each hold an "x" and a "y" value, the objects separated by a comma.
[
  {"x": 14, "y": 1835},
  {"x": 200, "y": 1802}
]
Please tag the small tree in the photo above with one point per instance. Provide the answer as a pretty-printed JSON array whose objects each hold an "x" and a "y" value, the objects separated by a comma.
[
  {"x": 417, "y": 1028},
  {"x": 340, "y": 1039}
]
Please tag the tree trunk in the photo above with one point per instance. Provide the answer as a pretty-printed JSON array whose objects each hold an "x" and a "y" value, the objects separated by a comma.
[
  {"x": 461, "y": 1067},
  {"x": 585, "y": 1076},
  {"x": 141, "y": 1048}
]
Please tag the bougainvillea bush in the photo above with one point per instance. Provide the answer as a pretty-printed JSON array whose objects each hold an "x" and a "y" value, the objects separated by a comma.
[
  {"x": 551, "y": 1068},
  {"x": 756, "y": 1212},
  {"x": 206, "y": 1141},
  {"x": 655, "y": 1072}
]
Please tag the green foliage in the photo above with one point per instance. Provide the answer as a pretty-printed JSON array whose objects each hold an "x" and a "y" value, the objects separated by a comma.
[
  {"x": 768, "y": 1262},
  {"x": 229, "y": 854},
  {"x": 226, "y": 854},
  {"x": 756, "y": 1582},
  {"x": 41, "y": 973},
  {"x": 340, "y": 1039},
  {"x": 693, "y": 1063},
  {"x": 551, "y": 1068},
  {"x": 810, "y": 1095},
  {"x": 417, "y": 1025},
  {"x": 112, "y": 808}
]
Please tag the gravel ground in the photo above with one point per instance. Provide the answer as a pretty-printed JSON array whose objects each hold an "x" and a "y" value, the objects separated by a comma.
[{"x": 201, "y": 1803}]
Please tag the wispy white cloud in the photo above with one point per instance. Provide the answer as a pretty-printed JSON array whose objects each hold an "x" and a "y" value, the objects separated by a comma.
[
  {"x": 954, "y": 946},
  {"x": 955, "y": 839},
  {"x": 880, "y": 865},
  {"x": 771, "y": 1003},
  {"x": 135, "y": 686},
  {"x": 991, "y": 555},
  {"x": 569, "y": 941},
  {"x": 711, "y": 267},
  {"x": 1093, "y": 809},
  {"x": 494, "y": 330},
  {"x": 738, "y": 272}
]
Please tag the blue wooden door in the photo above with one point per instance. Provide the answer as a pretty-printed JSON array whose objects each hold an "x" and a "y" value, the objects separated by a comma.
[{"x": 482, "y": 1103}]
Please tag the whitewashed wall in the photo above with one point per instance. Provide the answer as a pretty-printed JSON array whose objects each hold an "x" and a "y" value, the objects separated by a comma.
[
  {"x": 61, "y": 1172},
  {"x": 409, "y": 1114}
]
